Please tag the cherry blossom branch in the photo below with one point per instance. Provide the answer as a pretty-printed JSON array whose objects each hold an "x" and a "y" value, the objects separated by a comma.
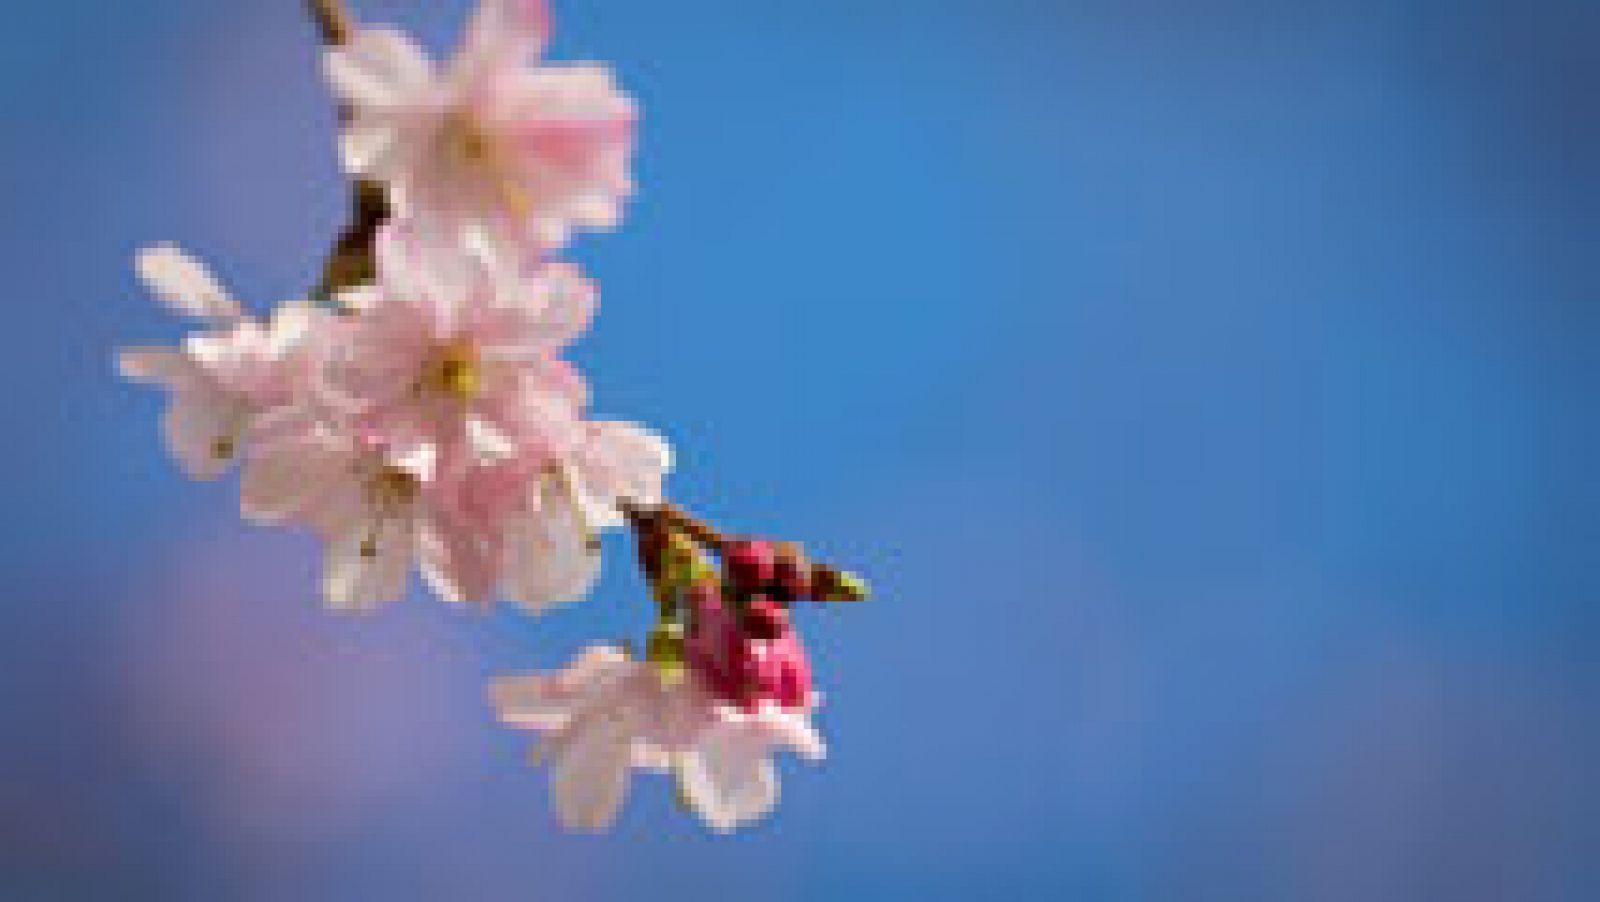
[
  {"x": 432, "y": 467},
  {"x": 653, "y": 524},
  {"x": 351, "y": 263}
]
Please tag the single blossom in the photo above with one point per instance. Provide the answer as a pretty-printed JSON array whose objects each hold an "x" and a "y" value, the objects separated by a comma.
[
  {"x": 494, "y": 138},
  {"x": 607, "y": 714},
  {"x": 227, "y": 375},
  {"x": 457, "y": 347}
]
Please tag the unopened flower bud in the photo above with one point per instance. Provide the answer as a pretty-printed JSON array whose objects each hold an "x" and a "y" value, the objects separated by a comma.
[
  {"x": 841, "y": 585},
  {"x": 765, "y": 619},
  {"x": 750, "y": 564},
  {"x": 791, "y": 577}
]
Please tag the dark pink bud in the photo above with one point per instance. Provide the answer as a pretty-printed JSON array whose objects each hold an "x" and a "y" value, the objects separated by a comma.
[
  {"x": 793, "y": 689},
  {"x": 791, "y": 572},
  {"x": 728, "y": 655},
  {"x": 765, "y": 619},
  {"x": 750, "y": 564},
  {"x": 776, "y": 672}
]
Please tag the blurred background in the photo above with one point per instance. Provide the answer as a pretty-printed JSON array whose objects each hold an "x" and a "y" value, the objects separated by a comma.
[{"x": 1206, "y": 388}]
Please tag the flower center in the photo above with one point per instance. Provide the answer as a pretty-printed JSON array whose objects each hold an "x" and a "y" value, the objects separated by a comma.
[
  {"x": 466, "y": 140},
  {"x": 454, "y": 372},
  {"x": 391, "y": 489},
  {"x": 467, "y": 144}
]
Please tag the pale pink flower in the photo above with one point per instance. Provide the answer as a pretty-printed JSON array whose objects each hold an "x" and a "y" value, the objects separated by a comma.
[
  {"x": 457, "y": 347},
  {"x": 494, "y": 138},
  {"x": 227, "y": 375},
  {"x": 382, "y": 507},
  {"x": 608, "y": 714}
]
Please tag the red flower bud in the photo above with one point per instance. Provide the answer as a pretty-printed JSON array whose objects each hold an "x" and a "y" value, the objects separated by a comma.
[
  {"x": 765, "y": 619},
  {"x": 791, "y": 573},
  {"x": 750, "y": 564}
]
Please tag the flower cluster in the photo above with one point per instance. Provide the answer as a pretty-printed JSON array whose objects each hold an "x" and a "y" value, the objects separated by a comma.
[
  {"x": 419, "y": 416},
  {"x": 724, "y": 683}
]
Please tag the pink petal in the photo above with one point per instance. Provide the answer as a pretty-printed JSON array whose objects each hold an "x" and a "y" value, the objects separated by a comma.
[
  {"x": 547, "y": 702},
  {"x": 459, "y": 561},
  {"x": 502, "y": 33}
]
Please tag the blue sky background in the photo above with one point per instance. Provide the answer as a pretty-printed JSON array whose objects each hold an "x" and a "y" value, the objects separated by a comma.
[{"x": 1207, "y": 391}]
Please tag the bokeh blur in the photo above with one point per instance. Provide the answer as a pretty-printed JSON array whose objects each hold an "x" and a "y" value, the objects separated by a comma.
[{"x": 1207, "y": 389}]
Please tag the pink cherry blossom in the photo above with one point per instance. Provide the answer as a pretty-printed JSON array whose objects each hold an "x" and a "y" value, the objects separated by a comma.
[
  {"x": 495, "y": 138},
  {"x": 607, "y": 714},
  {"x": 224, "y": 377},
  {"x": 457, "y": 347}
]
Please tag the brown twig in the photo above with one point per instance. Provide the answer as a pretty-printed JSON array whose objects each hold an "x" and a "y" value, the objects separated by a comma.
[
  {"x": 350, "y": 263},
  {"x": 333, "y": 20},
  {"x": 651, "y": 524}
]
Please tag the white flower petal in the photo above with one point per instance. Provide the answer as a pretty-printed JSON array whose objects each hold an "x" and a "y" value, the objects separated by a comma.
[
  {"x": 795, "y": 731},
  {"x": 379, "y": 68},
  {"x": 366, "y": 146},
  {"x": 589, "y": 777},
  {"x": 419, "y": 457},
  {"x": 620, "y": 462},
  {"x": 490, "y": 445},
  {"x": 728, "y": 780},
  {"x": 203, "y": 430},
  {"x": 167, "y": 367},
  {"x": 367, "y": 566},
  {"x": 548, "y": 555},
  {"x": 184, "y": 285},
  {"x": 502, "y": 32}
]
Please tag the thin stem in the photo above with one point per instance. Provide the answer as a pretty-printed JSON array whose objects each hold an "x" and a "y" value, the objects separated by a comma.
[
  {"x": 350, "y": 262},
  {"x": 333, "y": 20},
  {"x": 651, "y": 523}
]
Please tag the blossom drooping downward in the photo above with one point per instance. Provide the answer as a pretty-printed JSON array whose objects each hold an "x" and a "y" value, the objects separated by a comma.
[
  {"x": 494, "y": 139},
  {"x": 724, "y": 685},
  {"x": 607, "y": 714}
]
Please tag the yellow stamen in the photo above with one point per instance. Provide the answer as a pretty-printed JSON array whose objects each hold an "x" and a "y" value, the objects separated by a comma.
[{"x": 454, "y": 372}]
